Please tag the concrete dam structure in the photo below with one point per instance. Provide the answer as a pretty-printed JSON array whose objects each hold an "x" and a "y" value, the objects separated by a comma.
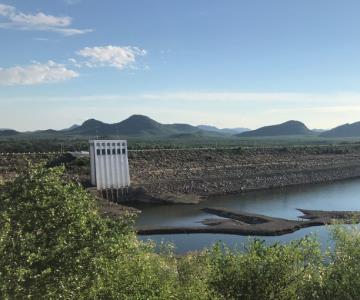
[{"x": 109, "y": 167}]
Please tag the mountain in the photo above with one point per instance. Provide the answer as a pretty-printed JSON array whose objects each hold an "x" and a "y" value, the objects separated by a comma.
[
  {"x": 223, "y": 130},
  {"x": 135, "y": 125},
  {"x": 90, "y": 127},
  {"x": 70, "y": 128},
  {"x": 283, "y": 129},
  {"x": 139, "y": 126},
  {"x": 346, "y": 130}
]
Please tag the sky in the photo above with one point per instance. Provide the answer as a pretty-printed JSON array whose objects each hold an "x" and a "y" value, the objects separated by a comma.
[{"x": 230, "y": 63}]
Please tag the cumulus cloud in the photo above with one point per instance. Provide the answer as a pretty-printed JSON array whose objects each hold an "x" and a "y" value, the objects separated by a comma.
[
  {"x": 35, "y": 73},
  {"x": 118, "y": 57},
  {"x": 11, "y": 18}
]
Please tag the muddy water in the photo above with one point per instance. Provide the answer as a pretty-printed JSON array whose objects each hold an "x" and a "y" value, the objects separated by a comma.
[{"x": 343, "y": 195}]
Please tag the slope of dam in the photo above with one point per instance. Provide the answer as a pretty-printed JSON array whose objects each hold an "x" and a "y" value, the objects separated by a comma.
[{"x": 224, "y": 171}]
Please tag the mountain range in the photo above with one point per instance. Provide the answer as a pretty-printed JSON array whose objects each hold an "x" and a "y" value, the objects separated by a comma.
[
  {"x": 142, "y": 126},
  {"x": 136, "y": 125}
]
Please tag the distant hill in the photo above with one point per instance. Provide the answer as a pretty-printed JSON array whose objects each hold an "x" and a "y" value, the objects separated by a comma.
[
  {"x": 8, "y": 132},
  {"x": 139, "y": 126},
  {"x": 183, "y": 128},
  {"x": 136, "y": 125},
  {"x": 71, "y": 127},
  {"x": 346, "y": 130},
  {"x": 284, "y": 129},
  {"x": 89, "y": 127},
  {"x": 223, "y": 130}
]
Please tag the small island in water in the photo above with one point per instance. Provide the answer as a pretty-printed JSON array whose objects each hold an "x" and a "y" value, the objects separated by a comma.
[{"x": 244, "y": 223}]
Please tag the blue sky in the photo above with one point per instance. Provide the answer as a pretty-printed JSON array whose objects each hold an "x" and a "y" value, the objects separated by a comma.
[{"x": 232, "y": 63}]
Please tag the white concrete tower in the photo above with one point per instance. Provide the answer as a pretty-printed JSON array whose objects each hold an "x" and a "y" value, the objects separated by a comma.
[{"x": 109, "y": 164}]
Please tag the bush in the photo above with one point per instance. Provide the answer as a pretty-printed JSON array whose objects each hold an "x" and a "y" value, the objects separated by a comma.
[
  {"x": 342, "y": 276},
  {"x": 54, "y": 244},
  {"x": 264, "y": 272}
]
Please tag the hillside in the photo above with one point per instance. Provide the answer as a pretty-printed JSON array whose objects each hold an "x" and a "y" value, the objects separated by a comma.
[
  {"x": 8, "y": 132},
  {"x": 229, "y": 131},
  {"x": 91, "y": 127},
  {"x": 135, "y": 125},
  {"x": 346, "y": 130},
  {"x": 284, "y": 129},
  {"x": 71, "y": 127}
]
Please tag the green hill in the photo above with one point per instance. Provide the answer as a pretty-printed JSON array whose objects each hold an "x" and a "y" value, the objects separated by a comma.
[
  {"x": 284, "y": 129},
  {"x": 346, "y": 130},
  {"x": 8, "y": 132},
  {"x": 135, "y": 125}
]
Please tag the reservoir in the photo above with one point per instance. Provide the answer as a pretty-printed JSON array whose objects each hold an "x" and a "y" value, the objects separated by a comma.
[{"x": 283, "y": 203}]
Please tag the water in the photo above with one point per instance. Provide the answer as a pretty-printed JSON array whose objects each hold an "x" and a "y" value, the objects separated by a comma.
[{"x": 342, "y": 195}]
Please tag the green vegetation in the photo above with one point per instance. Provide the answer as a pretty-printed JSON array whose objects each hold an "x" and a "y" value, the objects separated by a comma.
[
  {"x": 42, "y": 145},
  {"x": 45, "y": 145},
  {"x": 55, "y": 245}
]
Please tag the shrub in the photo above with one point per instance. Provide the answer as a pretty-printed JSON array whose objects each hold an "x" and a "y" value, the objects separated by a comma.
[
  {"x": 263, "y": 272},
  {"x": 54, "y": 244},
  {"x": 342, "y": 276}
]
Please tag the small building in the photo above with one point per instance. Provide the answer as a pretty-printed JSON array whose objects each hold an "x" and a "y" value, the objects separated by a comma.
[{"x": 109, "y": 164}]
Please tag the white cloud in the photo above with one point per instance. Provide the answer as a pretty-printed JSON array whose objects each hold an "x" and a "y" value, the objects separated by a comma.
[
  {"x": 35, "y": 73},
  {"x": 113, "y": 56},
  {"x": 71, "y": 31},
  {"x": 14, "y": 19}
]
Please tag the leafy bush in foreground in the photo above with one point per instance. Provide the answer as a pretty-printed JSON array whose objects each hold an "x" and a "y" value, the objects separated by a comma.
[{"x": 55, "y": 245}]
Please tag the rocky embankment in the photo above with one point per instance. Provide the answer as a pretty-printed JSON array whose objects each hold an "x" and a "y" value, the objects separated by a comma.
[
  {"x": 223, "y": 171},
  {"x": 189, "y": 176}
]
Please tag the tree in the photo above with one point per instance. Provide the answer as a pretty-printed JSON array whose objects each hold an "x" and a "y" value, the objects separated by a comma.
[{"x": 54, "y": 244}]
